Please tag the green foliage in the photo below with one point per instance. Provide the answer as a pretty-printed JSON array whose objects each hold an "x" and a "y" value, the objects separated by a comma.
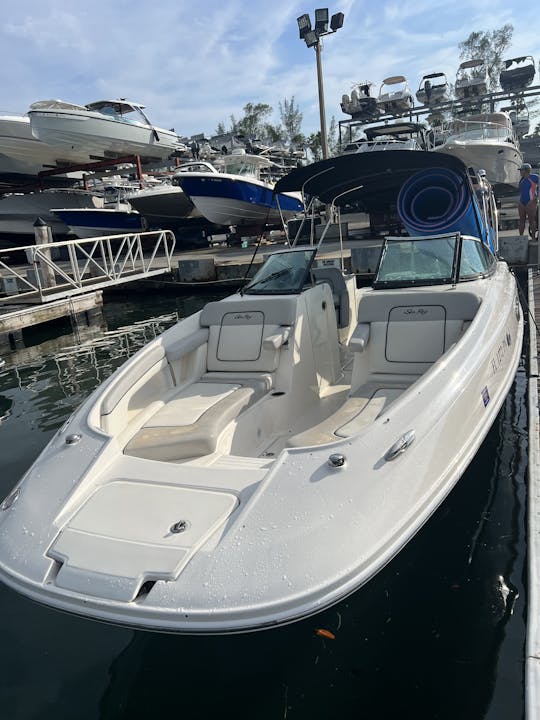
[
  {"x": 220, "y": 130},
  {"x": 252, "y": 124},
  {"x": 490, "y": 46},
  {"x": 314, "y": 145},
  {"x": 291, "y": 119}
]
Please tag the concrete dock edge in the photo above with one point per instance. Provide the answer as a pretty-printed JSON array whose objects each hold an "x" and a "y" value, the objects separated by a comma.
[{"x": 532, "y": 663}]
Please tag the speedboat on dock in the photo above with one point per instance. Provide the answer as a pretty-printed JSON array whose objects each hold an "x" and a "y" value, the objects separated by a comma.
[
  {"x": 265, "y": 457},
  {"x": 237, "y": 195},
  {"x": 103, "y": 129},
  {"x": 486, "y": 142}
]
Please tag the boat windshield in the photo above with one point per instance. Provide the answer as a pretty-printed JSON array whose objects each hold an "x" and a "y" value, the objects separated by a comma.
[
  {"x": 415, "y": 261},
  {"x": 284, "y": 273}
]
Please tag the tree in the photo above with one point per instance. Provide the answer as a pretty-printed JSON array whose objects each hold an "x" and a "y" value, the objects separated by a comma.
[
  {"x": 333, "y": 144},
  {"x": 291, "y": 118},
  {"x": 490, "y": 47},
  {"x": 314, "y": 145},
  {"x": 274, "y": 133},
  {"x": 252, "y": 125},
  {"x": 220, "y": 130}
]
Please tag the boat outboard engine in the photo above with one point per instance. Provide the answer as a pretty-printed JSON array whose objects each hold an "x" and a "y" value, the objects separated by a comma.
[{"x": 439, "y": 200}]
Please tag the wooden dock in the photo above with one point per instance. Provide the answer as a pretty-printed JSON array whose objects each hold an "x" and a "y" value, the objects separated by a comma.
[{"x": 16, "y": 318}]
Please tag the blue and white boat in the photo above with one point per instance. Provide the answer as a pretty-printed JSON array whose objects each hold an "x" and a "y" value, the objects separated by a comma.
[{"x": 238, "y": 195}]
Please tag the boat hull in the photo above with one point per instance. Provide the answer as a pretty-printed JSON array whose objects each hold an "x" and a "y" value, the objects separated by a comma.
[
  {"x": 164, "y": 206},
  {"x": 500, "y": 160},
  {"x": 284, "y": 540},
  {"x": 18, "y": 213},
  {"x": 99, "y": 136},
  {"x": 234, "y": 201},
  {"x": 98, "y": 222}
]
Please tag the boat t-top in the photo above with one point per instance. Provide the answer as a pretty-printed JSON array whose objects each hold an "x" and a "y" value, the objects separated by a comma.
[
  {"x": 395, "y": 136},
  {"x": 265, "y": 457},
  {"x": 471, "y": 79},
  {"x": 104, "y": 129},
  {"x": 517, "y": 74},
  {"x": 395, "y": 98},
  {"x": 433, "y": 89}
]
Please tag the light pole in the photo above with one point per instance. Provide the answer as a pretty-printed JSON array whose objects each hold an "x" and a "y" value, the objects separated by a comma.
[{"x": 312, "y": 38}]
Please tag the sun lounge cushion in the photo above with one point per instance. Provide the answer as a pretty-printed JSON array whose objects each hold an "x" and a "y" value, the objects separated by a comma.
[{"x": 189, "y": 424}]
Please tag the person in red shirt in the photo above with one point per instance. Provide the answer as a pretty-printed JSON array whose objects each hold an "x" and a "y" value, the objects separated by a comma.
[{"x": 528, "y": 200}]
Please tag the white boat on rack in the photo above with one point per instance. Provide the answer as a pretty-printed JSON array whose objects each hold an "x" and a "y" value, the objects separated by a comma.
[
  {"x": 471, "y": 79},
  {"x": 488, "y": 142},
  {"x": 433, "y": 89},
  {"x": 397, "y": 136},
  {"x": 361, "y": 104},
  {"x": 267, "y": 456},
  {"x": 167, "y": 203},
  {"x": 517, "y": 74},
  {"x": 103, "y": 129},
  {"x": 395, "y": 97},
  {"x": 23, "y": 156},
  {"x": 19, "y": 211}
]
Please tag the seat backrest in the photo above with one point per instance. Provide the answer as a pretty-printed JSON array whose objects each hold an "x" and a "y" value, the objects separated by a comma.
[
  {"x": 334, "y": 277},
  {"x": 410, "y": 331},
  {"x": 244, "y": 335}
]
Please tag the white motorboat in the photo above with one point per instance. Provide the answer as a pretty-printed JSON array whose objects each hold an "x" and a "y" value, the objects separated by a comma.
[
  {"x": 433, "y": 89},
  {"x": 398, "y": 136},
  {"x": 517, "y": 74},
  {"x": 19, "y": 212},
  {"x": 237, "y": 195},
  {"x": 267, "y": 456},
  {"x": 361, "y": 104},
  {"x": 103, "y": 129},
  {"x": 25, "y": 155},
  {"x": 395, "y": 98},
  {"x": 471, "y": 79},
  {"x": 166, "y": 204},
  {"x": 487, "y": 142}
]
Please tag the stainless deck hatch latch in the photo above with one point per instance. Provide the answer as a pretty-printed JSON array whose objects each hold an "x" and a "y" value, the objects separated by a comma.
[{"x": 399, "y": 447}]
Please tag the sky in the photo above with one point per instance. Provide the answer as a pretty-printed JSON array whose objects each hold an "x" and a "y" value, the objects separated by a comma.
[{"x": 195, "y": 64}]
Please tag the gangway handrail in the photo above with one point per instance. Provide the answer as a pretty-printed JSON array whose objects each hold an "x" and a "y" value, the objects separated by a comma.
[{"x": 92, "y": 263}]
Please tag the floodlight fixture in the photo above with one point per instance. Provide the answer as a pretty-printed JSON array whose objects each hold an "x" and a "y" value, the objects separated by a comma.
[
  {"x": 337, "y": 21},
  {"x": 311, "y": 38},
  {"x": 321, "y": 21},
  {"x": 304, "y": 25}
]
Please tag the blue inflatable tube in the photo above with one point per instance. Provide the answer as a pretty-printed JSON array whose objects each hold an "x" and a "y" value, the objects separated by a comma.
[{"x": 439, "y": 200}]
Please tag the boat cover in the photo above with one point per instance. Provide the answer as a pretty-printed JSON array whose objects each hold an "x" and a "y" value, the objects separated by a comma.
[{"x": 374, "y": 179}]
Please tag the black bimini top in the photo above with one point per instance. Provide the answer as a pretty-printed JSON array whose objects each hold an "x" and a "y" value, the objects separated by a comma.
[{"x": 371, "y": 178}]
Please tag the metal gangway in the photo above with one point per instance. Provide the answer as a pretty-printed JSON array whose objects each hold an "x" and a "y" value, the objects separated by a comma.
[{"x": 59, "y": 270}]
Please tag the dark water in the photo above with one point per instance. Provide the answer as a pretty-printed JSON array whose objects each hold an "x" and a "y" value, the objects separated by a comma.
[{"x": 439, "y": 633}]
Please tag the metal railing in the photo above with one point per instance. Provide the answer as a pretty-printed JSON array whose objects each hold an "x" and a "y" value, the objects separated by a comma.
[{"x": 84, "y": 265}]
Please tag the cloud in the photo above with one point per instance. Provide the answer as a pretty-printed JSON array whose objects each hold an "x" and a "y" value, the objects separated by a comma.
[{"x": 193, "y": 65}]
